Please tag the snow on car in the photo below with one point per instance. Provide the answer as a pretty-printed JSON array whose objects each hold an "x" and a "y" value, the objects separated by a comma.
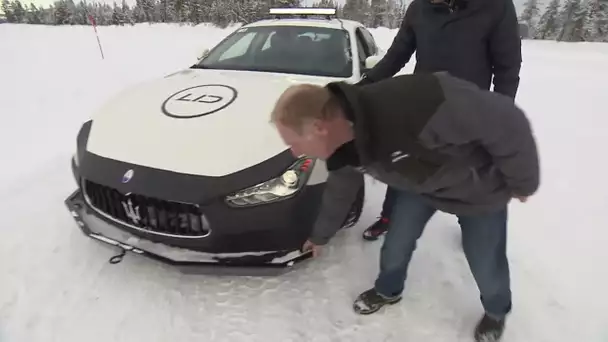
[{"x": 187, "y": 168}]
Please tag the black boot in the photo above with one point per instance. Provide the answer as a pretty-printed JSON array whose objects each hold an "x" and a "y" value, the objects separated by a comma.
[
  {"x": 371, "y": 301},
  {"x": 489, "y": 329},
  {"x": 376, "y": 230}
]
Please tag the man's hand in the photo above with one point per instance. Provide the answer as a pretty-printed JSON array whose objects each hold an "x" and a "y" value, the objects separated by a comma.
[
  {"x": 363, "y": 81},
  {"x": 309, "y": 246},
  {"x": 522, "y": 199}
]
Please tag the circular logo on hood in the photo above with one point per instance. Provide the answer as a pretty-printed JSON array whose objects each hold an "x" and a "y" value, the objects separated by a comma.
[{"x": 199, "y": 101}]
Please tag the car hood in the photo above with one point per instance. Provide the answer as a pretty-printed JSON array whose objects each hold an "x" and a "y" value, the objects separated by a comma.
[{"x": 199, "y": 122}]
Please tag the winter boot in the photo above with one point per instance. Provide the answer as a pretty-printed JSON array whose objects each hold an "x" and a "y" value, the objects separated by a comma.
[
  {"x": 371, "y": 301},
  {"x": 489, "y": 329},
  {"x": 376, "y": 230}
]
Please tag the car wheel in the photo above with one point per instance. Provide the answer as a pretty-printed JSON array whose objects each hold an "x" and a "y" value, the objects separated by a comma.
[{"x": 356, "y": 209}]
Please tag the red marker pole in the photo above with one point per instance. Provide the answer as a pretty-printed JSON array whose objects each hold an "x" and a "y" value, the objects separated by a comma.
[{"x": 92, "y": 20}]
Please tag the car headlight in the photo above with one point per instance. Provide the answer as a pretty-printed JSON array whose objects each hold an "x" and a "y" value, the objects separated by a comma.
[{"x": 276, "y": 189}]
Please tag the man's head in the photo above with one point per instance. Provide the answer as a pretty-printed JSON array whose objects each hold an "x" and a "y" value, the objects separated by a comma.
[{"x": 310, "y": 120}]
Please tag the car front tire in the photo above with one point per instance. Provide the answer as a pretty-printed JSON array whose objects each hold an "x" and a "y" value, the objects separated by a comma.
[{"x": 354, "y": 214}]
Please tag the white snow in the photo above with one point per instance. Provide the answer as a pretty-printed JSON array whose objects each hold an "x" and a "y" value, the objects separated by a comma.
[{"x": 56, "y": 284}]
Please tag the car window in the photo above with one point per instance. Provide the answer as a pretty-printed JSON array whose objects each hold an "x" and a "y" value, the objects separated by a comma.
[
  {"x": 362, "y": 50},
  {"x": 306, "y": 50},
  {"x": 369, "y": 39},
  {"x": 239, "y": 48}
]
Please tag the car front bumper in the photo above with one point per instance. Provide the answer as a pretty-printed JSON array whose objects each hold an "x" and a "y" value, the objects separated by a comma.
[{"x": 187, "y": 260}]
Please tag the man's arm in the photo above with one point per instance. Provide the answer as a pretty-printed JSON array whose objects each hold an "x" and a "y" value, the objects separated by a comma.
[
  {"x": 400, "y": 51},
  {"x": 505, "y": 51},
  {"x": 496, "y": 124},
  {"x": 508, "y": 137},
  {"x": 340, "y": 193}
]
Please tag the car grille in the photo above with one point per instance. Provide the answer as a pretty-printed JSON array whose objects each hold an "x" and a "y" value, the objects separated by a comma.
[{"x": 147, "y": 214}]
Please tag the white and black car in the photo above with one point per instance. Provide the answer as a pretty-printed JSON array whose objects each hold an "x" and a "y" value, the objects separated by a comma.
[{"x": 188, "y": 168}]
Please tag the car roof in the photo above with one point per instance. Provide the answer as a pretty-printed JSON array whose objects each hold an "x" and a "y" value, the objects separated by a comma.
[{"x": 328, "y": 23}]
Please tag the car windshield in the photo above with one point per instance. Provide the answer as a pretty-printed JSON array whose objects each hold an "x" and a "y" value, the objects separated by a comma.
[{"x": 303, "y": 50}]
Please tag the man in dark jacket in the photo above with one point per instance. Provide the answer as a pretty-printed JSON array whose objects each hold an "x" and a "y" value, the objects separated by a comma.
[
  {"x": 443, "y": 144},
  {"x": 471, "y": 39}
]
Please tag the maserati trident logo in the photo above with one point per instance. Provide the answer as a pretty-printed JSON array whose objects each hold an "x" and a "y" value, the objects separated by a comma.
[
  {"x": 126, "y": 178},
  {"x": 131, "y": 211}
]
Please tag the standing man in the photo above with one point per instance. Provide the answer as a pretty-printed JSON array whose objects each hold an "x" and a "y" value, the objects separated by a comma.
[
  {"x": 443, "y": 144},
  {"x": 471, "y": 39}
]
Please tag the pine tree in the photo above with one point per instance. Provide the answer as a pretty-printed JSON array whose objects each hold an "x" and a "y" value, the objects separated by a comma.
[
  {"x": 48, "y": 15},
  {"x": 165, "y": 11},
  {"x": 580, "y": 19},
  {"x": 366, "y": 12},
  {"x": 217, "y": 13},
  {"x": 148, "y": 10},
  {"x": 65, "y": 13},
  {"x": 80, "y": 14},
  {"x": 106, "y": 14},
  {"x": 547, "y": 27},
  {"x": 7, "y": 8},
  {"x": 339, "y": 10},
  {"x": 570, "y": 20},
  {"x": 195, "y": 11},
  {"x": 358, "y": 10},
  {"x": 73, "y": 9},
  {"x": 596, "y": 28},
  {"x": 402, "y": 10},
  {"x": 285, "y": 3},
  {"x": 102, "y": 13},
  {"x": 181, "y": 10},
  {"x": 18, "y": 12},
  {"x": 62, "y": 14},
  {"x": 325, "y": 4},
  {"x": 602, "y": 21},
  {"x": 127, "y": 14},
  {"x": 34, "y": 15},
  {"x": 117, "y": 17},
  {"x": 247, "y": 11},
  {"x": 393, "y": 15},
  {"x": 137, "y": 13},
  {"x": 529, "y": 16},
  {"x": 378, "y": 13}
]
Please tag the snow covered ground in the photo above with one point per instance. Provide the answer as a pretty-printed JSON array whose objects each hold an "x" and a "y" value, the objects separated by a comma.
[{"x": 56, "y": 285}]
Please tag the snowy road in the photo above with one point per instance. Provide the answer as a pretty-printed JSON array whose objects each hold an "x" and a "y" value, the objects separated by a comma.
[{"x": 56, "y": 285}]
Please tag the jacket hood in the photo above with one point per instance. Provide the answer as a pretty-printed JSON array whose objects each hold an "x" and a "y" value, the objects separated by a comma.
[{"x": 200, "y": 122}]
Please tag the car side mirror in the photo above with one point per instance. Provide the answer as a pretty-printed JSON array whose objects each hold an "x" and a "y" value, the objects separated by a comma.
[
  {"x": 371, "y": 61},
  {"x": 204, "y": 54}
]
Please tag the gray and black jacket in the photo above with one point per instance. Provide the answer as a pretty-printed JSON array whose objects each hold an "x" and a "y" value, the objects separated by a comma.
[{"x": 466, "y": 150}]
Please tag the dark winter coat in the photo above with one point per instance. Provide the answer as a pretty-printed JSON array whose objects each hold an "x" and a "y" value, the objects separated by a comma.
[
  {"x": 467, "y": 151},
  {"x": 472, "y": 40}
]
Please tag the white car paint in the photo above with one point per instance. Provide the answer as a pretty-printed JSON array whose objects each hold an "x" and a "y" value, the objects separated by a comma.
[{"x": 132, "y": 127}]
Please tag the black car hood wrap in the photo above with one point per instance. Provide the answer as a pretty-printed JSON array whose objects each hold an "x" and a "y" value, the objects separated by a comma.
[{"x": 169, "y": 185}]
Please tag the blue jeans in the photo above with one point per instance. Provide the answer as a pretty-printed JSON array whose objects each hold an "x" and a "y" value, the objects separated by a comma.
[
  {"x": 389, "y": 202},
  {"x": 484, "y": 242}
]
